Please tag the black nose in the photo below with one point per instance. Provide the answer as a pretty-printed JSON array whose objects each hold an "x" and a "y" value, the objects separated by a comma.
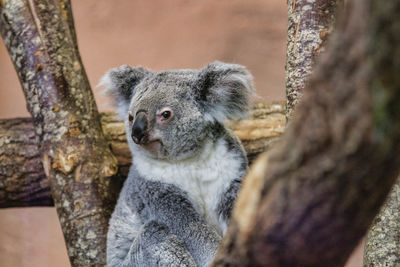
[{"x": 139, "y": 127}]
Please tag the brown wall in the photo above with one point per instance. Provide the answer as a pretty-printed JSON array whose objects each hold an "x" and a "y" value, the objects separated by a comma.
[{"x": 171, "y": 34}]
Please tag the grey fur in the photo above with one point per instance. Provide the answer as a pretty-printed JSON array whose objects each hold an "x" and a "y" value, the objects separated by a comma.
[{"x": 163, "y": 218}]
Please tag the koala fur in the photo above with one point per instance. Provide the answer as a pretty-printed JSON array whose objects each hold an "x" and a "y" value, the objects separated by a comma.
[{"x": 187, "y": 166}]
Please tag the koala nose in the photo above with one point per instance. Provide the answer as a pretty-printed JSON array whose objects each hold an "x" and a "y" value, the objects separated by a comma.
[{"x": 139, "y": 127}]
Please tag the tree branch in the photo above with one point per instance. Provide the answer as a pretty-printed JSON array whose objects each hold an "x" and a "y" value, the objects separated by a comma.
[
  {"x": 310, "y": 200},
  {"x": 22, "y": 179},
  {"x": 309, "y": 25}
]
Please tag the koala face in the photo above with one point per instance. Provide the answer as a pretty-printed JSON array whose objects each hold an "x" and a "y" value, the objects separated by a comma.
[
  {"x": 163, "y": 117},
  {"x": 170, "y": 114}
]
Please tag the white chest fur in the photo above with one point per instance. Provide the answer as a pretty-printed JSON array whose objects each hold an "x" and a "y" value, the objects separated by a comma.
[{"x": 205, "y": 177}]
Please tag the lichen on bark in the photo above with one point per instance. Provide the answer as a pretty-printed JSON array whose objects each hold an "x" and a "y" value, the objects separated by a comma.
[
  {"x": 310, "y": 22},
  {"x": 383, "y": 239}
]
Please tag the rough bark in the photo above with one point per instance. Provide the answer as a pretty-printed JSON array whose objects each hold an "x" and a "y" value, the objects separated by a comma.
[
  {"x": 383, "y": 239},
  {"x": 309, "y": 25},
  {"x": 75, "y": 156},
  {"x": 22, "y": 179},
  {"x": 312, "y": 198}
]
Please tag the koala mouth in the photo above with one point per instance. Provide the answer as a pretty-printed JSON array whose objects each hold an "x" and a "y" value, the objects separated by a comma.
[{"x": 152, "y": 145}]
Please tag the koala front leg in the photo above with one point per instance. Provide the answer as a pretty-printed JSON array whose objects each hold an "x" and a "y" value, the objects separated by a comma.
[
  {"x": 226, "y": 203},
  {"x": 156, "y": 246},
  {"x": 171, "y": 206}
]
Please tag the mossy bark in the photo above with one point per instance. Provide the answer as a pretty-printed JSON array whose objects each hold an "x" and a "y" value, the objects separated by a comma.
[
  {"x": 313, "y": 197},
  {"x": 74, "y": 153}
]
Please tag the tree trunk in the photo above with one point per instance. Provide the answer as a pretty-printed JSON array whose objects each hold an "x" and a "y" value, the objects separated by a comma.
[
  {"x": 22, "y": 179},
  {"x": 312, "y": 198},
  {"x": 309, "y": 25},
  {"x": 76, "y": 158}
]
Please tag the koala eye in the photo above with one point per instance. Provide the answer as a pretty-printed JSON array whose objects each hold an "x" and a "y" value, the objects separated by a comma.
[
  {"x": 164, "y": 115},
  {"x": 130, "y": 117}
]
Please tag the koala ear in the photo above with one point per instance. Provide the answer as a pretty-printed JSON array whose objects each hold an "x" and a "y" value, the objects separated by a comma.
[
  {"x": 223, "y": 90},
  {"x": 120, "y": 85}
]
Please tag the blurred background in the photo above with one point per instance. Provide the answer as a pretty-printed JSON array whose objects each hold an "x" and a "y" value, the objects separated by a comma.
[
  {"x": 171, "y": 34},
  {"x": 159, "y": 35}
]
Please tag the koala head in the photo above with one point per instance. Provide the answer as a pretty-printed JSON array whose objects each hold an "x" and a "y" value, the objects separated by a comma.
[{"x": 170, "y": 114}]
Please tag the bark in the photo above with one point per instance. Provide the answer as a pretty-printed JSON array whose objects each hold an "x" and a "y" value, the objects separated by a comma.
[
  {"x": 75, "y": 155},
  {"x": 309, "y": 25},
  {"x": 22, "y": 179},
  {"x": 312, "y": 198},
  {"x": 383, "y": 239}
]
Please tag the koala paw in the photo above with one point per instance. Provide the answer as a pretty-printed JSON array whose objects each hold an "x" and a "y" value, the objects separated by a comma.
[{"x": 171, "y": 252}]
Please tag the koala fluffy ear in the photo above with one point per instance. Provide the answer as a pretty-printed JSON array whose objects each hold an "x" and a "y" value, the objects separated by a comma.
[
  {"x": 120, "y": 85},
  {"x": 224, "y": 90}
]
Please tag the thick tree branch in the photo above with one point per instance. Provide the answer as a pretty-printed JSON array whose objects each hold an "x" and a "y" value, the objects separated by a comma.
[
  {"x": 22, "y": 179},
  {"x": 382, "y": 246},
  {"x": 309, "y": 25},
  {"x": 310, "y": 201},
  {"x": 76, "y": 158}
]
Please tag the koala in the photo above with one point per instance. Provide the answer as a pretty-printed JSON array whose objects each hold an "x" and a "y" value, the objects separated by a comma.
[{"x": 187, "y": 166}]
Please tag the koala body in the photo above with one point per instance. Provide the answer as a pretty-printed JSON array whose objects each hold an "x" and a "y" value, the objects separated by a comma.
[{"x": 187, "y": 166}]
